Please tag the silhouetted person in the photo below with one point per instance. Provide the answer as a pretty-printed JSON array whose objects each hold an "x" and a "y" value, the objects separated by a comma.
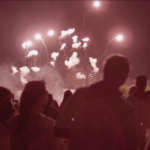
[
  {"x": 67, "y": 95},
  {"x": 97, "y": 117},
  {"x": 132, "y": 90},
  {"x": 141, "y": 103},
  {"x": 55, "y": 105},
  {"x": 6, "y": 112},
  {"x": 49, "y": 110},
  {"x": 140, "y": 95},
  {"x": 30, "y": 129}
]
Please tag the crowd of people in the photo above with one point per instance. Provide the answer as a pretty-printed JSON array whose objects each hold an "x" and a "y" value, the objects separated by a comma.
[{"x": 97, "y": 117}]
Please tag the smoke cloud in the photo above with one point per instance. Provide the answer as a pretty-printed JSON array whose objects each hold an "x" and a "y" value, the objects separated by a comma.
[{"x": 15, "y": 79}]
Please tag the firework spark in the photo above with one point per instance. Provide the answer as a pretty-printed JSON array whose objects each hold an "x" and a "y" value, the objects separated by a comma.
[
  {"x": 54, "y": 55},
  {"x": 32, "y": 53},
  {"x": 52, "y": 63},
  {"x": 85, "y": 39},
  {"x": 14, "y": 69},
  {"x": 73, "y": 60},
  {"x": 50, "y": 33},
  {"x": 76, "y": 45},
  {"x": 75, "y": 38},
  {"x": 38, "y": 37},
  {"x": 96, "y": 3},
  {"x": 66, "y": 33},
  {"x": 24, "y": 45},
  {"x": 63, "y": 46},
  {"x": 35, "y": 69},
  {"x": 93, "y": 62},
  {"x": 84, "y": 45},
  {"x": 79, "y": 75},
  {"x": 119, "y": 38}
]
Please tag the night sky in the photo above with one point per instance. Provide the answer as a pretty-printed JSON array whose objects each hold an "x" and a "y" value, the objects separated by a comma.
[{"x": 20, "y": 21}]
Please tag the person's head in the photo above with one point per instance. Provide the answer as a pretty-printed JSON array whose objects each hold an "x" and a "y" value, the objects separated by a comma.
[
  {"x": 34, "y": 97},
  {"x": 132, "y": 89},
  {"x": 67, "y": 95},
  {"x": 141, "y": 82},
  {"x": 6, "y": 105},
  {"x": 50, "y": 100},
  {"x": 116, "y": 68},
  {"x": 55, "y": 104}
]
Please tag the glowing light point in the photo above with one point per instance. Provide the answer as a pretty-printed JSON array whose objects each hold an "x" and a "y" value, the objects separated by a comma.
[
  {"x": 51, "y": 32},
  {"x": 24, "y": 45},
  {"x": 29, "y": 43},
  {"x": 38, "y": 36},
  {"x": 96, "y": 3},
  {"x": 85, "y": 39},
  {"x": 119, "y": 38},
  {"x": 32, "y": 53}
]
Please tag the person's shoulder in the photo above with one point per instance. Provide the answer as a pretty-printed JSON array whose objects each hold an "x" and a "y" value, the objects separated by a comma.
[
  {"x": 46, "y": 118},
  {"x": 131, "y": 97},
  {"x": 80, "y": 92},
  {"x": 83, "y": 89}
]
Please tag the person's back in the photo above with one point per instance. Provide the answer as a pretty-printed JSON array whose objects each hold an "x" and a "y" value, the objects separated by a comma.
[
  {"x": 30, "y": 129},
  {"x": 140, "y": 96},
  {"x": 37, "y": 136},
  {"x": 103, "y": 122},
  {"x": 97, "y": 117}
]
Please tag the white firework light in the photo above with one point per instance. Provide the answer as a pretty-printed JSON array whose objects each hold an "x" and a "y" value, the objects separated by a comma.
[
  {"x": 66, "y": 33},
  {"x": 119, "y": 38},
  {"x": 76, "y": 45},
  {"x": 24, "y": 45},
  {"x": 54, "y": 55},
  {"x": 50, "y": 33},
  {"x": 84, "y": 45},
  {"x": 32, "y": 53},
  {"x": 14, "y": 69},
  {"x": 79, "y": 75},
  {"x": 73, "y": 60},
  {"x": 38, "y": 37},
  {"x": 63, "y": 46},
  {"x": 93, "y": 62},
  {"x": 52, "y": 63},
  {"x": 85, "y": 39},
  {"x": 75, "y": 38},
  {"x": 96, "y": 3},
  {"x": 35, "y": 69}
]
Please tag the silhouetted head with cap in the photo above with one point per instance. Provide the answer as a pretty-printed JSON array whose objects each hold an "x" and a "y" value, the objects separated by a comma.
[{"x": 116, "y": 68}]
